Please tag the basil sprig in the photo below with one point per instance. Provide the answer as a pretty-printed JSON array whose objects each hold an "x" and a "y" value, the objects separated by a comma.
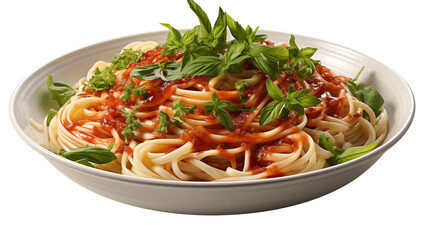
[
  {"x": 89, "y": 155},
  {"x": 206, "y": 51},
  {"x": 167, "y": 71},
  {"x": 213, "y": 66},
  {"x": 220, "y": 107},
  {"x": 181, "y": 109},
  {"x": 60, "y": 92},
  {"x": 281, "y": 105},
  {"x": 133, "y": 124},
  {"x": 176, "y": 42},
  {"x": 242, "y": 35},
  {"x": 344, "y": 155},
  {"x": 165, "y": 122},
  {"x": 206, "y": 35},
  {"x": 369, "y": 94},
  {"x": 300, "y": 60}
]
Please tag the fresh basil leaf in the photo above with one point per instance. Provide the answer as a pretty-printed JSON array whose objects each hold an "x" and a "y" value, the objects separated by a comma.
[
  {"x": 274, "y": 91},
  {"x": 299, "y": 60},
  {"x": 167, "y": 71},
  {"x": 270, "y": 112},
  {"x": 205, "y": 65},
  {"x": 51, "y": 114},
  {"x": 224, "y": 118},
  {"x": 219, "y": 108},
  {"x": 354, "y": 89},
  {"x": 266, "y": 66},
  {"x": 60, "y": 92},
  {"x": 369, "y": 95},
  {"x": 237, "y": 31},
  {"x": 351, "y": 153},
  {"x": 89, "y": 154},
  {"x": 373, "y": 99},
  {"x": 202, "y": 16},
  {"x": 297, "y": 100},
  {"x": 326, "y": 143},
  {"x": 175, "y": 41},
  {"x": 343, "y": 155},
  {"x": 85, "y": 162},
  {"x": 273, "y": 54},
  {"x": 302, "y": 97}
]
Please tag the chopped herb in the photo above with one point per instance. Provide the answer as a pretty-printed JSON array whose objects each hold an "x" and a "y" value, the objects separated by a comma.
[
  {"x": 132, "y": 124},
  {"x": 127, "y": 57},
  {"x": 341, "y": 155},
  {"x": 102, "y": 80},
  {"x": 296, "y": 100},
  {"x": 129, "y": 90}
]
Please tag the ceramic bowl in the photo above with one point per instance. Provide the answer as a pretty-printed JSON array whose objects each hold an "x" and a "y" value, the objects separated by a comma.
[{"x": 31, "y": 101}]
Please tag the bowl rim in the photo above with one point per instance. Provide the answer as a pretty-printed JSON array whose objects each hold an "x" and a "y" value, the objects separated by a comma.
[{"x": 161, "y": 182}]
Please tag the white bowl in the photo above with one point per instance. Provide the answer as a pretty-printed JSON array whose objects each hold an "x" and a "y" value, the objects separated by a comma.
[{"x": 31, "y": 100}]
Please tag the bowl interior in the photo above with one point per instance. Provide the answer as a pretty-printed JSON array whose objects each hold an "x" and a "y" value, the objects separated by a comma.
[{"x": 31, "y": 99}]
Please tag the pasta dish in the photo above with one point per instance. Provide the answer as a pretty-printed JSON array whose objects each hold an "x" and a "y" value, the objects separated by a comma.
[{"x": 201, "y": 107}]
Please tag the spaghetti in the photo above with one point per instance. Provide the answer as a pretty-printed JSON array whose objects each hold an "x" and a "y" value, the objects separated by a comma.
[
  {"x": 201, "y": 148},
  {"x": 201, "y": 108}
]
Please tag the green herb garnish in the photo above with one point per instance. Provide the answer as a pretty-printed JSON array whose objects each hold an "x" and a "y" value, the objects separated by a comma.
[
  {"x": 242, "y": 86},
  {"x": 206, "y": 35},
  {"x": 182, "y": 109},
  {"x": 300, "y": 60},
  {"x": 129, "y": 90},
  {"x": 344, "y": 155},
  {"x": 60, "y": 92},
  {"x": 132, "y": 124},
  {"x": 369, "y": 94},
  {"x": 165, "y": 122},
  {"x": 127, "y": 57},
  {"x": 220, "y": 107},
  {"x": 51, "y": 114},
  {"x": 102, "y": 80},
  {"x": 242, "y": 35},
  {"x": 176, "y": 42},
  {"x": 296, "y": 100},
  {"x": 167, "y": 71},
  {"x": 213, "y": 66},
  {"x": 89, "y": 155}
]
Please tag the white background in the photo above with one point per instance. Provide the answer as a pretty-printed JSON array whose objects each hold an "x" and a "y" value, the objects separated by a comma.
[{"x": 389, "y": 201}]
